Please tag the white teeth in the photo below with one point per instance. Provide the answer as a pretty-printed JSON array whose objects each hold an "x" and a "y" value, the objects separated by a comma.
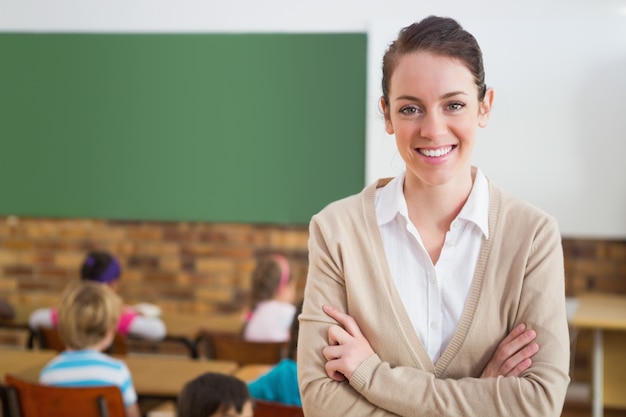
[{"x": 433, "y": 153}]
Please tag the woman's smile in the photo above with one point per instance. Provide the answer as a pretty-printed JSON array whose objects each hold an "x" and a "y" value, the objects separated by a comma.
[{"x": 436, "y": 152}]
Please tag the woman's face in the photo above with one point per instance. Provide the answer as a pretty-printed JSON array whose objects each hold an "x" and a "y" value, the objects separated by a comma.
[{"x": 434, "y": 112}]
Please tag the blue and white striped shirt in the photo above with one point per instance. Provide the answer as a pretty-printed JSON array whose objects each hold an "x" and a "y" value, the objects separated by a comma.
[{"x": 88, "y": 368}]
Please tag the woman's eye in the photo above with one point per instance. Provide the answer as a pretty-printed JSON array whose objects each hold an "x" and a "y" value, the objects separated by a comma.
[
  {"x": 409, "y": 110},
  {"x": 455, "y": 106}
]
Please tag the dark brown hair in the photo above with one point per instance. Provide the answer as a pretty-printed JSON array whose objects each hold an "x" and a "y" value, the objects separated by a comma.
[
  {"x": 210, "y": 392},
  {"x": 266, "y": 278},
  {"x": 438, "y": 35},
  {"x": 295, "y": 329},
  {"x": 100, "y": 267}
]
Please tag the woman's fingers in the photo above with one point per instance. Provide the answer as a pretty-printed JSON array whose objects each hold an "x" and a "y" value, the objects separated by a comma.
[
  {"x": 333, "y": 373},
  {"x": 347, "y": 347},
  {"x": 344, "y": 319},
  {"x": 332, "y": 352},
  {"x": 521, "y": 361},
  {"x": 517, "y": 331},
  {"x": 512, "y": 357}
]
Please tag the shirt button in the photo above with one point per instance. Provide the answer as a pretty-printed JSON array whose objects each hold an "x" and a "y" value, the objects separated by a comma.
[{"x": 434, "y": 325}]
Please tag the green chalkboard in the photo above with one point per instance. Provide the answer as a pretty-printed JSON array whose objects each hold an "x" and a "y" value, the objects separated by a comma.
[{"x": 257, "y": 128}]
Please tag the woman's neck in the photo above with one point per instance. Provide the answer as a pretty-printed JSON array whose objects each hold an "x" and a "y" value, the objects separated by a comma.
[
  {"x": 439, "y": 204},
  {"x": 432, "y": 209}
]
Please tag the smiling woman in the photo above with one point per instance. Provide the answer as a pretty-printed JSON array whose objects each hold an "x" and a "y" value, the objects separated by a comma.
[{"x": 465, "y": 279}]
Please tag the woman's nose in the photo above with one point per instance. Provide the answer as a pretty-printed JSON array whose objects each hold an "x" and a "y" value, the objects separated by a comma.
[{"x": 433, "y": 126}]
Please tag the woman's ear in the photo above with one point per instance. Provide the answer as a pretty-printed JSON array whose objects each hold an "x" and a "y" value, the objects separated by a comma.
[
  {"x": 385, "y": 110},
  {"x": 485, "y": 108}
]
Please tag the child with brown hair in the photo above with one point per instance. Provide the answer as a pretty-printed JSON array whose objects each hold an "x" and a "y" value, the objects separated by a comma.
[
  {"x": 272, "y": 306},
  {"x": 214, "y": 395},
  {"x": 88, "y": 315}
]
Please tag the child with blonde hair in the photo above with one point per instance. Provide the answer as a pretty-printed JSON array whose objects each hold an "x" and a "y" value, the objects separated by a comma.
[
  {"x": 272, "y": 301},
  {"x": 88, "y": 314}
]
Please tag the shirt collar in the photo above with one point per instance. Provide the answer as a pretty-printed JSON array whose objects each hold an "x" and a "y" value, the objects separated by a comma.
[
  {"x": 476, "y": 208},
  {"x": 390, "y": 202}
]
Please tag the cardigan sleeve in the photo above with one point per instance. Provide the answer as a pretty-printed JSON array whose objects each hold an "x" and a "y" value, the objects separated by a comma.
[
  {"x": 379, "y": 389},
  {"x": 322, "y": 396}
]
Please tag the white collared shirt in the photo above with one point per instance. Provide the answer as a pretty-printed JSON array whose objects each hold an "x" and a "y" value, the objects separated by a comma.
[{"x": 433, "y": 295}]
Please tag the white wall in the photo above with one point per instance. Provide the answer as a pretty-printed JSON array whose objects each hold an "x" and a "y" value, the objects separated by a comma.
[{"x": 557, "y": 136}]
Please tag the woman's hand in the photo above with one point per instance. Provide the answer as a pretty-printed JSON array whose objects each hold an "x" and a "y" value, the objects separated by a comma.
[
  {"x": 347, "y": 347},
  {"x": 512, "y": 357}
]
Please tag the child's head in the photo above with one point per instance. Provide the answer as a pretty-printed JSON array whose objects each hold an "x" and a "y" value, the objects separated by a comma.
[
  {"x": 215, "y": 395},
  {"x": 88, "y": 314},
  {"x": 100, "y": 267},
  {"x": 272, "y": 279}
]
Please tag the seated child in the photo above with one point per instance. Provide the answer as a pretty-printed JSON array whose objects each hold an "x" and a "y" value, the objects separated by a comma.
[
  {"x": 272, "y": 301},
  {"x": 214, "y": 395},
  {"x": 105, "y": 269},
  {"x": 6, "y": 311},
  {"x": 88, "y": 313},
  {"x": 280, "y": 384}
]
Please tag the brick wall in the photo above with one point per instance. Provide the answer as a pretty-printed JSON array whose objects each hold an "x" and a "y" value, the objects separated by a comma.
[
  {"x": 190, "y": 267},
  {"x": 594, "y": 265},
  {"x": 199, "y": 267}
]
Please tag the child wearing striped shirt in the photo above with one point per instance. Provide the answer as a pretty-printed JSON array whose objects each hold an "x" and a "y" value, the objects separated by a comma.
[{"x": 88, "y": 314}]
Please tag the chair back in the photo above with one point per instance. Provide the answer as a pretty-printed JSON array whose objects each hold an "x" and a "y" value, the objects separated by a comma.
[
  {"x": 233, "y": 347},
  {"x": 49, "y": 338},
  {"x": 272, "y": 409},
  {"x": 30, "y": 399}
]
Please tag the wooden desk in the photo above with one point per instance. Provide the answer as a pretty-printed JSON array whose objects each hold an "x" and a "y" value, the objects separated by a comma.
[
  {"x": 184, "y": 327},
  {"x": 154, "y": 376},
  {"x": 177, "y": 324},
  {"x": 18, "y": 361},
  {"x": 188, "y": 325},
  {"x": 20, "y": 320},
  {"x": 181, "y": 327},
  {"x": 22, "y": 313},
  {"x": 249, "y": 373},
  {"x": 605, "y": 315},
  {"x": 164, "y": 377}
]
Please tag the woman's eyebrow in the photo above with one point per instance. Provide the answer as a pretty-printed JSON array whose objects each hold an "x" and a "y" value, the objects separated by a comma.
[
  {"x": 453, "y": 93},
  {"x": 443, "y": 97}
]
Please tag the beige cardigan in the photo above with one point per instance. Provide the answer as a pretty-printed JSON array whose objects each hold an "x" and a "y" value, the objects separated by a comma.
[{"x": 519, "y": 278}]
